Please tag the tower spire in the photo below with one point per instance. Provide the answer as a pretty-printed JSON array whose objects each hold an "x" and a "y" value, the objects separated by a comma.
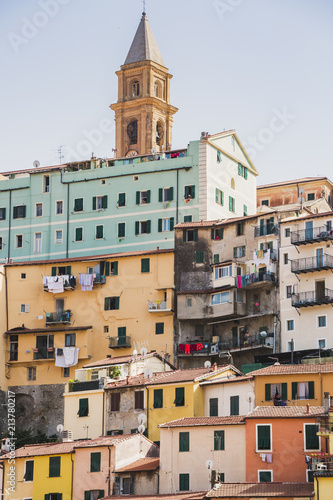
[{"x": 144, "y": 46}]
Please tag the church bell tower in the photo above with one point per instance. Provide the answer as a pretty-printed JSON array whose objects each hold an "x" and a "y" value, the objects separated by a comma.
[{"x": 143, "y": 113}]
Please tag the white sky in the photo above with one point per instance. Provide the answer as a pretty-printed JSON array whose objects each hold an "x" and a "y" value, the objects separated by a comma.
[{"x": 236, "y": 63}]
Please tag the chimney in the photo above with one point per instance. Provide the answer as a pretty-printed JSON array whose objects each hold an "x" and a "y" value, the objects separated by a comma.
[
  {"x": 308, "y": 408},
  {"x": 127, "y": 378},
  {"x": 215, "y": 367},
  {"x": 327, "y": 399}
]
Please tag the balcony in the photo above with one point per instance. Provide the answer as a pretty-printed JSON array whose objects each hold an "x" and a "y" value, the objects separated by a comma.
[
  {"x": 311, "y": 264},
  {"x": 158, "y": 306},
  {"x": 43, "y": 353},
  {"x": 325, "y": 424},
  {"x": 322, "y": 463},
  {"x": 255, "y": 280},
  {"x": 309, "y": 299},
  {"x": 196, "y": 348},
  {"x": 266, "y": 230},
  {"x": 119, "y": 342},
  {"x": 61, "y": 318},
  {"x": 311, "y": 235},
  {"x": 89, "y": 385},
  {"x": 63, "y": 284},
  {"x": 99, "y": 280}
]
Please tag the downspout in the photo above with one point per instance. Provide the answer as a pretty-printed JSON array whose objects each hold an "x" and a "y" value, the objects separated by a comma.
[
  {"x": 6, "y": 292},
  {"x": 67, "y": 222},
  {"x": 317, "y": 498},
  {"x": 72, "y": 478},
  {"x": 147, "y": 411},
  {"x": 103, "y": 420},
  {"x": 9, "y": 223},
  {"x": 177, "y": 201},
  {"x": 2, "y": 466},
  {"x": 321, "y": 390},
  {"x": 109, "y": 476}
]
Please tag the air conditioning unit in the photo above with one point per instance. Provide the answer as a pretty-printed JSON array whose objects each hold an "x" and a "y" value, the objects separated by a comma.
[
  {"x": 215, "y": 339},
  {"x": 214, "y": 349},
  {"x": 67, "y": 436}
]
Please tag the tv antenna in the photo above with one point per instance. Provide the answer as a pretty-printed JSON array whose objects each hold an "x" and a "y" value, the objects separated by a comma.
[
  {"x": 142, "y": 419},
  {"x": 147, "y": 374},
  {"x": 59, "y": 153},
  {"x": 135, "y": 353},
  {"x": 209, "y": 464}
]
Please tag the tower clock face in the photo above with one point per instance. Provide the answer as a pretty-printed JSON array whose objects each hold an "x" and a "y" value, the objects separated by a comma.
[
  {"x": 159, "y": 132},
  {"x": 131, "y": 152}
]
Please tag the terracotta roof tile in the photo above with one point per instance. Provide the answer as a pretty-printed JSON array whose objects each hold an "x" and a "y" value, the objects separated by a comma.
[
  {"x": 285, "y": 412},
  {"x": 204, "y": 421},
  {"x": 295, "y": 181},
  {"x": 200, "y": 495},
  {"x": 213, "y": 223},
  {"x": 227, "y": 380},
  {"x": 258, "y": 490},
  {"x": 108, "y": 441},
  {"x": 278, "y": 369},
  {"x": 126, "y": 359},
  {"x": 142, "y": 464}
]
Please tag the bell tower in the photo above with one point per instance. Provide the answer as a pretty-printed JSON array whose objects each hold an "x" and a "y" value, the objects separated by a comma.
[{"x": 143, "y": 113}]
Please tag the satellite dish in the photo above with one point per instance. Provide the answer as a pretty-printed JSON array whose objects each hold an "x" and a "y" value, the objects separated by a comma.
[
  {"x": 60, "y": 428},
  {"x": 142, "y": 419},
  {"x": 301, "y": 191},
  {"x": 36, "y": 163},
  {"x": 301, "y": 199},
  {"x": 143, "y": 351},
  {"x": 208, "y": 364},
  {"x": 263, "y": 334},
  {"x": 153, "y": 151},
  {"x": 148, "y": 374},
  {"x": 249, "y": 396},
  {"x": 141, "y": 429},
  {"x": 209, "y": 464},
  {"x": 135, "y": 352}
]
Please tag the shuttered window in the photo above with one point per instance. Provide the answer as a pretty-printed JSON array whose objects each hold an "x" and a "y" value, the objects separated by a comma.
[
  {"x": 122, "y": 199},
  {"x": 184, "y": 482},
  {"x": 312, "y": 441},
  {"x": 139, "y": 400},
  {"x": 218, "y": 440},
  {"x": 159, "y": 328},
  {"x": 199, "y": 257},
  {"x": 158, "y": 398},
  {"x": 115, "y": 401},
  {"x": 91, "y": 495},
  {"x": 54, "y": 466},
  {"x": 29, "y": 470},
  {"x": 145, "y": 265},
  {"x": 179, "y": 396},
  {"x": 78, "y": 234},
  {"x": 265, "y": 476},
  {"x": 19, "y": 212},
  {"x": 2, "y": 213},
  {"x": 99, "y": 232},
  {"x": 213, "y": 407},
  {"x": 263, "y": 437},
  {"x": 184, "y": 441},
  {"x": 95, "y": 462},
  {"x": 83, "y": 407},
  {"x": 234, "y": 405},
  {"x": 78, "y": 205},
  {"x": 111, "y": 303}
]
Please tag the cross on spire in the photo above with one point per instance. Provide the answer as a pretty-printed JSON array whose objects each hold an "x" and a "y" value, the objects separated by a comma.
[{"x": 144, "y": 2}]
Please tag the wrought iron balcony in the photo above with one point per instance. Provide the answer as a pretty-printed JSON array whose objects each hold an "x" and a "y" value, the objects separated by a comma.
[
  {"x": 197, "y": 348},
  {"x": 119, "y": 342},
  {"x": 311, "y": 235},
  {"x": 63, "y": 318},
  {"x": 43, "y": 352},
  {"x": 270, "y": 228},
  {"x": 311, "y": 264},
  {"x": 307, "y": 299},
  {"x": 325, "y": 423},
  {"x": 254, "y": 278},
  {"x": 99, "y": 280},
  {"x": 322, "y": 463}
]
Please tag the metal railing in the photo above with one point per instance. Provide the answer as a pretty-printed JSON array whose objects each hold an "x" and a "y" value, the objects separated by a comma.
[
  {"x": 118, "y": 342},
  {"x": 311, "y": 235},
  {"x": 259, "y": 277},
  {"x": 99, "y": 279},
  {"x": 89, "y": 385},
  {"x": 309, "y": 264},
  {"x": 62, "y": 317},
  {"x": 269, "y": 228},
  {"x": 43, "y": 353},
  {"x": 158, "y": 304},
  {"x": 305, "y": 299}
]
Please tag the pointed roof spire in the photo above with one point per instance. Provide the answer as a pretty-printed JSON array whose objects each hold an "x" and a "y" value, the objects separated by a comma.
[{"x": 144, "y": 46}]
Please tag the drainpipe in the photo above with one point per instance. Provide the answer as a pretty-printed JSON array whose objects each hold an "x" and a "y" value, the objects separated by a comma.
[
  {"x": 6, "y": 291},
  {"x": 317, "y": 488},
  {"x": 103, "y": 421},
  {"x": 177, "y": 201},
  {"x": 3, "y": 478},
  {"x": 72, "y": 478},
  {"x": 9, "y": 223},
  {"x": 109, "y": 476},
  {"x": 147, "y": 411},
  {"x": 67, "y": 221}
]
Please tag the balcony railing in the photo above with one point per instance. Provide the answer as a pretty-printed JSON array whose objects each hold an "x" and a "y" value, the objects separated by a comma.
[
  {"x": 119, "y": 342},
  {"x": 58, "y": 318},
  {"x": 311, "y": 264},
  {"x": 89, "y": 385},
  {"x": 265, "y": 230},
  {"x": 43, "y": 353},
  {"x": 157, "y": 305},
  {"x": 197, "y": 348},
  {"x": 307, "y": 299},
  {"x": 258, "y": 278},
  {"x": 322, "y": 462},
  {"x": 311, "y": 235},
  {"x": 99, "y": 280},
  {"x": 69, "y": 283}
]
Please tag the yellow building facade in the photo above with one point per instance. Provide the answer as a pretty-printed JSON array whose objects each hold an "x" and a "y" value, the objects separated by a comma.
[
  {"x": 127, "y": 305},
  {"x": 3, "y": 327}
]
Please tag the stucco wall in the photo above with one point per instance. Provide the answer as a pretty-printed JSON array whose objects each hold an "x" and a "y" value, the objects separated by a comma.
[
  {"x": 223, "y": 391},
  {"x": 90, "y": 426}
]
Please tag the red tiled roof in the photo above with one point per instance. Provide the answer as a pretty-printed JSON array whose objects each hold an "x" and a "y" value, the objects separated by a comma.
[
  {"x": 44, "y": 449},
  {"x": 278, "y": 369},
  {"x": 204, "y": 421},
  {"x": 259, "y": 490},
  {"x": 227, "y": 380},
  {"x": 217, "y": 222},
  {"x": 20, "y": 330},
  {"x": 142, "y": 464},
  {"x": 200, "y": 495},
  {"x": 295, "y": 181},
  {"x": 126, "y": 359},
  {"x": 306, "y": 217},
  {"x": 286, "y": 412},
  {"x": 108, "y": 441}
]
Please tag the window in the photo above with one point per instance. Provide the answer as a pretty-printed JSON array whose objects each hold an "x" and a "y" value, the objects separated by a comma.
[
  {"x": 25, "y": 308},
  {"x": 321, "y": 321},
  {"x": 311, "y": 196},
  {"x": 142, "y": 227},
  {"x": 287, "y": 232},
  {"x": 121, "y": 199},
  {"x": 272, "y": 389},
  {"x": 65, "y": 373},
  {"x": 321, "y": 343},
  {"x": 289, "y": 291},
  {"x": 46, "y": 184},
  {"x": 1, "y": 243},
  {"x": 264, "y": 437},
  {"x": 189, "y": 192},
  {"x": 79, "y": 234},
  {"x": 2, "y": 213},
  {"x": 19, "y": 241},
  {"x": 220, "y": 298},
  {"x": 44, "y": 347},
  {"x": 159, "y": 328},
  {"x": 121, "y": 229},
  {"x": 312, "y": 441},
  {"x": 29, "y": 471},
  {"x": 285, "y": 258},
  {"x": 219, "y": 197},
  {"x": 239, "y": 251},
  {"x": 165, "y": 194},
  {"x": 265, "y": 476},
  {"x": 13, "y": 347},
  {"x": 265, "y": 203},
  {"x": 302, "y": 390},
  {"x": 59, "y": 207},
  {"x": 165, "y": 225},
  {"x": 39, "y": 209},
  {"x": 245, "y": 210},
  {"x": 23, "y": 276},
  {"x": 216, "y": 258},
  {"x": 99, "y": 232},
  {"x": 216, "y": 233},
  {"x": 142, "y": 197},
  {"x": 135, "y": 91},
  {"x": 32, "y": 373},
  {"x": 328, "y": 224},
  {"x": 115, "y": 402},
  {"x": 199, "y": 330},
  {"x": 83, "y": 407},
  {"x": 58, "y": 236},
  {"x": 234, "y": 405},
  {"x": 111, "y": 268},
  {"x": 199, "y": 257},
  {"x": 184, "y": 482},
  {"x": 290, "y": 324},
  {"x": 213, "y": 407},
  {"x": 232, "y": 204},
  {"x": 95, "y": 462},
  {"x": 145, "y": 265},
  {"x": 218, "y": 440},
  {"x": 70, "y": 339},
  {"x": 184, "y": 441},
  {"x": 232, "y": 184},
  {"x": 190, "y": 235},
  {"x": 19, "y": 212},
  {"x": 91, "y": 495},
  {"x": 188, "y": 301},
  {"x": 187, "y": 218},
  {"x": 54, "y": 466},
  {"x": 38, "y": 243},
  {"x": 78, "y": 205},
  {"x": 158, "y": 398},
  {"x": 111, "y": 303},
  {"x": 100, "y": 202},
  {"x": 106, "y": 329},
  {"x": 240, "y": 229},
  {"x": 179, "y": 396},
  {"x": 139, "y": 400},
  {"x": 223, "y": 272}
]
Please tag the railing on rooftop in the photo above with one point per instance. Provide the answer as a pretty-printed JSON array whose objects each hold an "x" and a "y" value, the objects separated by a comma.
[
  {"x": 311, "y": 235},
  {"x": 314, "y": 298},
  {"x": 311, "y": 264}
]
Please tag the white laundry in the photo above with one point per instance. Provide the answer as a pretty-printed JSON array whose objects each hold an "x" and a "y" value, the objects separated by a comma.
[
  {"x": 86, "y": 282},
  {"x": 60, "y": 359},
  {"x": 69, "y": 357}
]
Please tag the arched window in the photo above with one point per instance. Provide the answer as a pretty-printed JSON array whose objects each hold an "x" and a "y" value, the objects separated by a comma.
[
  {"x": 157, "y": 89},
  {"x": 132, "y": 131},
  {"x": 135, "y": 89},
  {"x": 159, "y": 132},
  {"x": 232, "y": 183}
]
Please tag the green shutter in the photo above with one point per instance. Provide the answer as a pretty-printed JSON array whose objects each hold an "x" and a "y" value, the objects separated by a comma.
[
  {"x": 115, "y": 268},
  {"x": 138, "y": 197},
  {"x": 160, "y": 194},
  {"x": 158, "y": 398},
  {"x": 184, "y": 441},
  {"x": 195, "y": 235},
  {"x": 107, "y": 268},
  {"x": 243, "y": 251},
  {"x": 95, "y": 462},
  {"x": 94, "y": 203},
  {"x": 24, "y": 211},
  {"x": 213, "y": 407},
  {"x": 3, "y": 215},
  {"x": 284, "y": 391},
  {"x": 186, "y": 191},
  {"x": 219, "y": 440},
  {"x": 131, "y": 484},
  {"x": 172, "y": 223},
  {"x": 15, "y": 213},
  {"x": 216, "y": 258},
  {"x": 193, "y": 192},
  {"x": 184, "y": 235},
  {"x": 245, "y": 173},
  {"x": 312, "y": 441},
  {"x": 184, "y": 482},
  {"x": 99, "y": 232},
  {"x": 230, "y": 203},
  {"x": 54, "y": 466},
  {"x": 101, "y": 494},
  {"x": 265, "y": 476},
  {"x": 268, "y": 392},
  {"x": 222, "y": 198},
  {"x": 54, "y": 271},
  {"x": 46, "y": 497},
  {"x": 159, "y": 328},
  {"x": 83, "y": 407},
  {"x": 87, "y": 495},
  {"x": 78, "y": 234},
  {"x": 244, "y": 210},
  {"x": 148, "y": 226},
  {"x": 234, "y": 336},
  {"x": 137, "y": 227},
  {"x": 105, "y": 202},
  {"x": 148, "y": 196},
  {"x": 240, "y": 169},
  {"x": 294, "y": 390},
  {"x": 212, "y": 234},
  {"x": 145, "y": 265},
  {"x": 121, "y": 229},
  {"x": 264, "y": 437},
  {"x": 216, "y": 195},
  {"x": 179, "y": 396},
  {"x": 121, "y": 200},
  {"x": 106, "y": 304},
  {"x": 171, "y": 193},
  {"x": 199, "y": 257},
  {"x": 235, "y": 252},
  {"x": 159, "y": 225},
  {"x": 234, "y": 405},
  {"x": 116, "y": 302},
  {"x": 311, "y": 390}
]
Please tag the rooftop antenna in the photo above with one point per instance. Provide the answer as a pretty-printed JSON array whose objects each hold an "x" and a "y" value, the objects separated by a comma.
[{"x": 59, "y": 153}]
